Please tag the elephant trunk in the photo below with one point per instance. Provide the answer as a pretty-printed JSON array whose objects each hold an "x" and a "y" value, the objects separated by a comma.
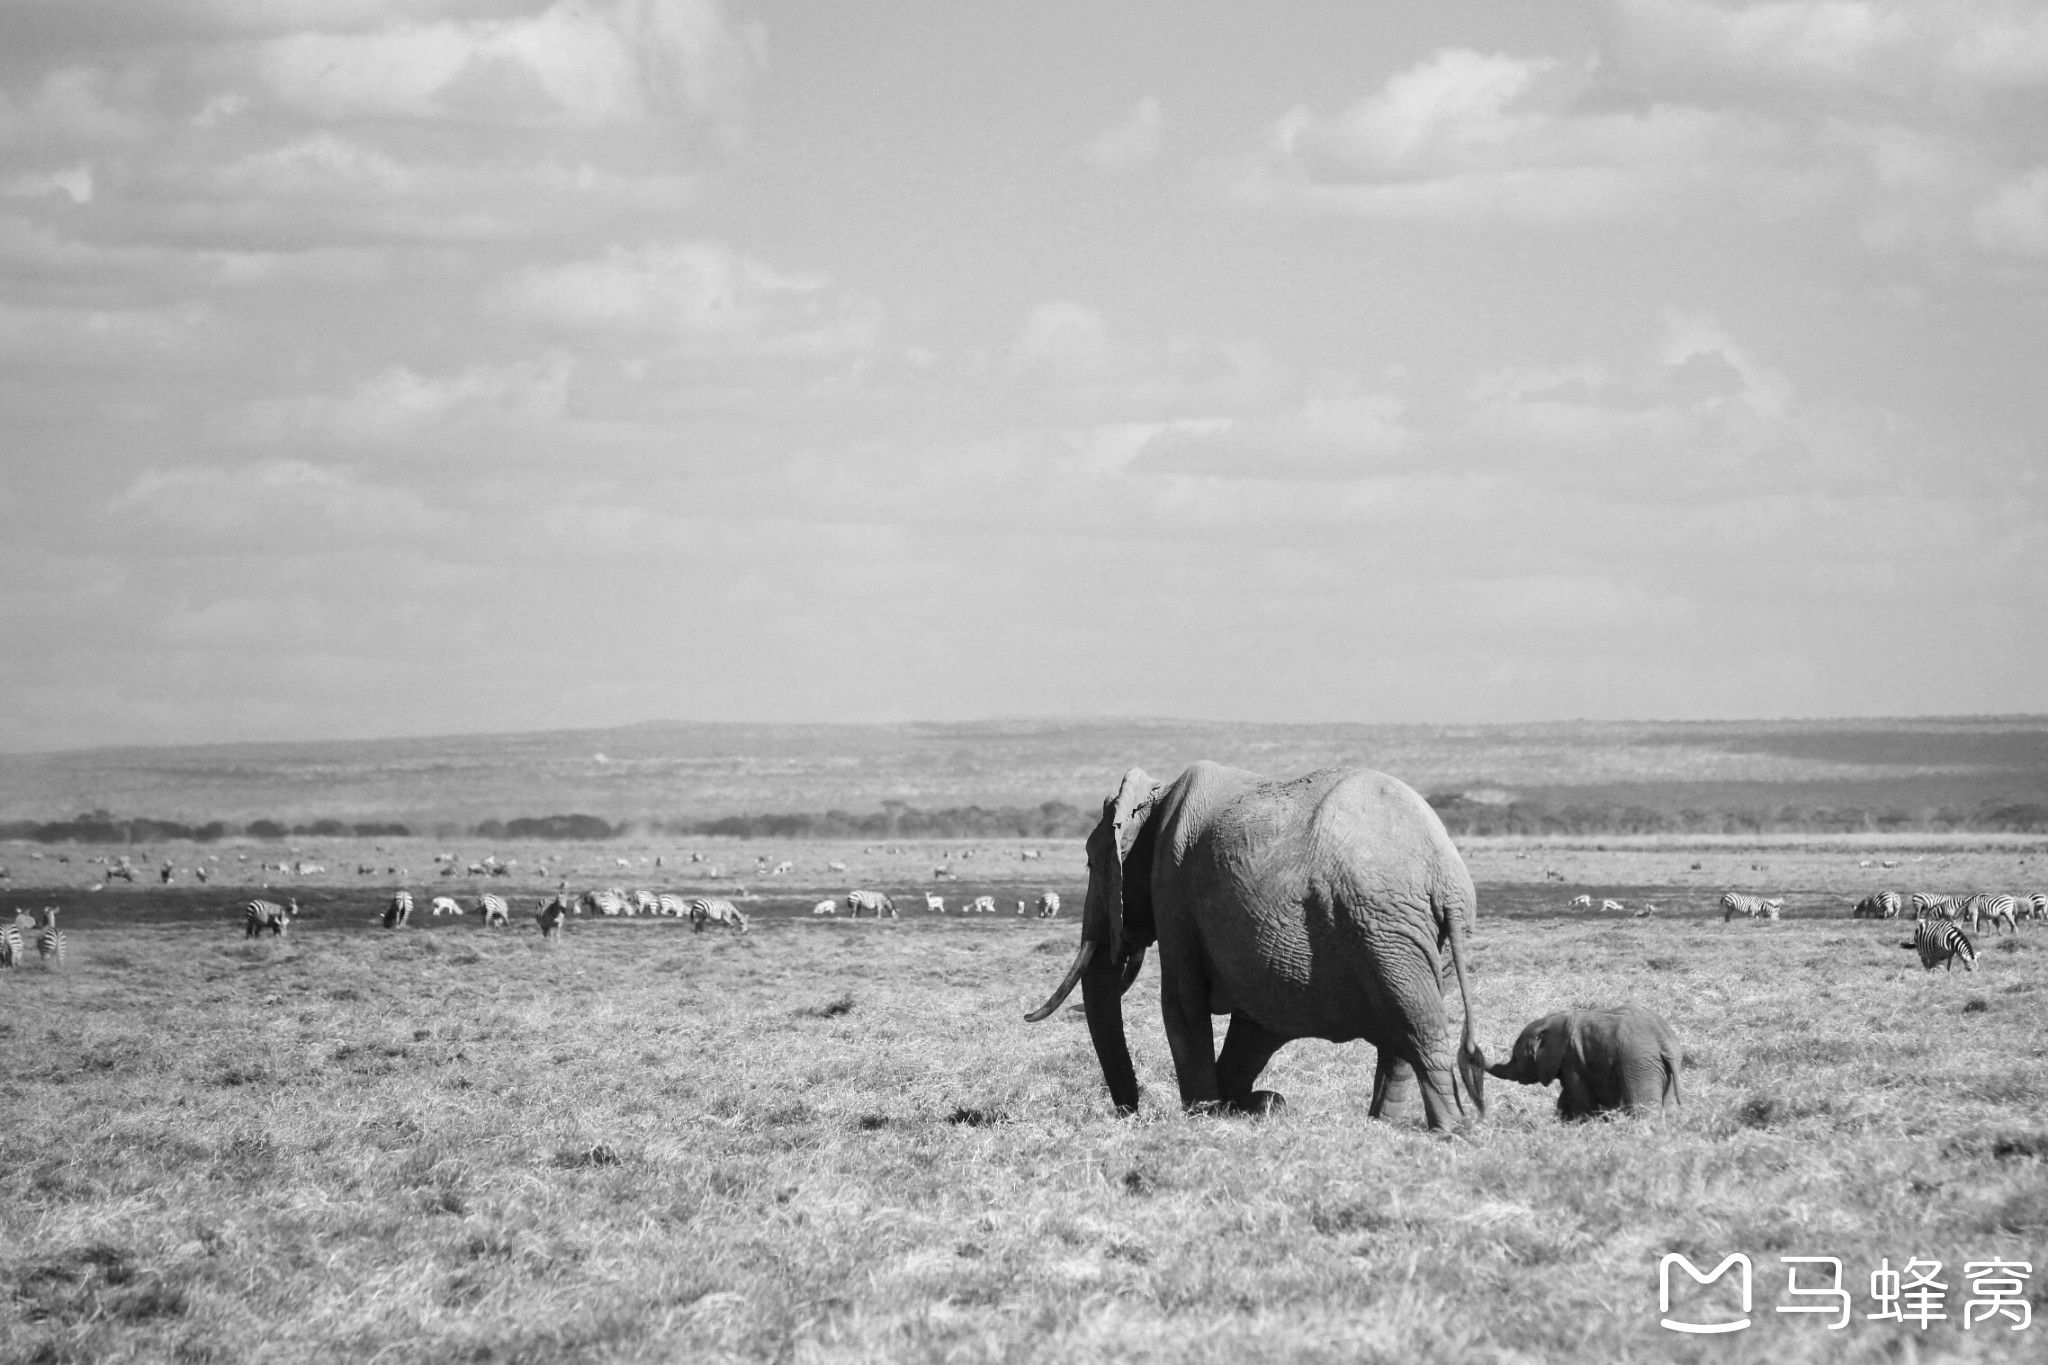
[{"x": 1102, "y": 994}]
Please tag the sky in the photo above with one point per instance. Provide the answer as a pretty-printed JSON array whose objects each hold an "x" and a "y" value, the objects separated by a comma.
[{"x": 373, "y": 368}]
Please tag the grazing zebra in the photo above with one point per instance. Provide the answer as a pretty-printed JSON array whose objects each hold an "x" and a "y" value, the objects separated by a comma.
[
  {"x": 10, "y": 938},
  {"x": 1878, "y": 905},
  {"x": 876, "y": 901},
  {"x": 258, "y": 916},
  {"x": 1049, "y": 905},
  {"x": 1612, "y": 907},
  {"x": 646, "y": 903},
  {"x": 1927, "y": 906},
  {"x": 708, "y": 910},
  {"x": 1755, "y": 907},
  {"x": 445, "y": 905},
  {"x": 50, "y": 942},
  {"x": 2037, "y": 906},
  {"x": 496, "y": 913},
  {"x": 398, "y": 914},
  {"x": 551, "y": 912},
  {"x": 2005, "y": 908},
  {"x": 827, "y": 907},
  {"x": 980, "y": 905},
  {"x": 1581, "y": 903},
  {"x": 1938, "y": 942},
  {"x": 673, "y": 906},
  {"x": 603, "y": 902}
]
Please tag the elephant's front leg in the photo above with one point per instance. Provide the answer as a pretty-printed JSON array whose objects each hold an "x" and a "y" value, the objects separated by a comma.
[
  {"x": 1184, "y": 1007},
  {"x": 1393, "y": 1087}
]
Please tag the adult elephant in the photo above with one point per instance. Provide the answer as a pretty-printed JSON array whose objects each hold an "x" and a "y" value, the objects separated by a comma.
[{"x": 1316, "y": 908}]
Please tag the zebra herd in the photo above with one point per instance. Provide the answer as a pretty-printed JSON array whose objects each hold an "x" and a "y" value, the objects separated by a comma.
[
  {"x": 48, "y": 938},
  {"x": 1980, "y": 907}
]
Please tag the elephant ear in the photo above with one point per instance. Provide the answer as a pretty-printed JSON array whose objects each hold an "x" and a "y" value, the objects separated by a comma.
[
  {"x": 1550, "y": 1048},
  {"x": 1126, "y": 813}
]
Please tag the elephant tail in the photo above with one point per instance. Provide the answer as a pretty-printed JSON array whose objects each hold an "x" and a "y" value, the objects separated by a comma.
[
  {"x": 1471, "y": 1067},
  {"x": 1672, "y": 1062}
]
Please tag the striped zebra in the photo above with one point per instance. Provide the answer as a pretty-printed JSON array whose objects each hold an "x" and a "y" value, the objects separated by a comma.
[
  {"x": 446, "y": 905},
  {"x": 49, "y": 938},
  {"x": 675, "y": 907},
  {"x": 645, "y": 902},
  {"x": 1938, "y": 942},
  {"x": 1049, "y": 905},
  {"x": 2037, "y": 906},
  {"x": 497, "y": 914},
  {"x": 980, "y": 905},
  {"x": 257, "y": 916},
  {"x": 1928, "y": 906},
  {"x": 2005, "y": 908},
  {"x": 1878, "y": 905},
  {"x": 1755, "y": 907},
  {"x": 551, "y": 912},
  {"x": 603, "y": 902},
  {"x": 11, "y": 947},
  {"x": 398, "y": 914},
  {"x": 709, "y": 910},
  {"x": 876, "y": 902},
  {"x": 825, "y": 907}
]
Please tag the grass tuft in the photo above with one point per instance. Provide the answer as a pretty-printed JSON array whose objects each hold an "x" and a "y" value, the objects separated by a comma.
[
  {"x": 1976, "y": 1004},
  {"x": 831, "y": 1009}
]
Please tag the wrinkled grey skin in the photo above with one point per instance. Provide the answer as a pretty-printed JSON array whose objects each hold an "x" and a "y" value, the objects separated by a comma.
[
  {"x": 1625, "y": 1058},
  {"x": 1315, "y": 908}
]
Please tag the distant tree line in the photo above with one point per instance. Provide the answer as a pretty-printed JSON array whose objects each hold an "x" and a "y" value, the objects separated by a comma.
[{"x": 1062, "y": 820}]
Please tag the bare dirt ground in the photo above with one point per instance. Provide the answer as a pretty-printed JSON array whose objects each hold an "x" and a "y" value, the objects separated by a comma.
[{"x": 834, "y": 1141}]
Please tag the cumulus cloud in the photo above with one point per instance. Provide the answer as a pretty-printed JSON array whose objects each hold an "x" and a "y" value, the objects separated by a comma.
[
  {"x": 400, "y": 402},
  {"x": 1471, "y": 136},
  {"x": 701, "y": 292},
  {"x": 1131, "y": 140},
  {"x": 284, "y": 498}
]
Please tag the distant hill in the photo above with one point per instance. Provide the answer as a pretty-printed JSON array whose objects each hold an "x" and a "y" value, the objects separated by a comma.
[{"x": 1938, "y": 772}]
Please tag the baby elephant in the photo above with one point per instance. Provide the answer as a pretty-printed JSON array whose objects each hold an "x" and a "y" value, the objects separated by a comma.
[{"x": 1624, "y": 1058}]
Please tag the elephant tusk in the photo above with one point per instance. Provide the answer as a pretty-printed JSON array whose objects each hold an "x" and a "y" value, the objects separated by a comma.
[{"x": 1066, "y": 986}]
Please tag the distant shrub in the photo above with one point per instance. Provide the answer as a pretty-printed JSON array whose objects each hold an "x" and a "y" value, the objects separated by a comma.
[
  {"x": 267, "y": 829},
  {"x": 553, "y": 827}
]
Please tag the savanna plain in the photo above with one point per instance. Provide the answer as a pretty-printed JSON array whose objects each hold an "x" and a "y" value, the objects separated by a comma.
[{"x": 833, "y": 1140}]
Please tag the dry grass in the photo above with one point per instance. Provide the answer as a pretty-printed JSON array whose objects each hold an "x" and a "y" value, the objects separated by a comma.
[{"x": 827, "y": 1141}]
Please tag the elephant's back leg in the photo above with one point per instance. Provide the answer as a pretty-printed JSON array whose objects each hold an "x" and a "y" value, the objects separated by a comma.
[{"x": 1246, "y": 1049}]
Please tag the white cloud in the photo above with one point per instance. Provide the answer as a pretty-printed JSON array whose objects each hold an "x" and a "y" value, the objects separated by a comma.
[
  {"x": 1132, "y": 140},
  {"x": 2013, "y": 217},
  {"x": 400, "y": 402},
  {"x": 287, "y": 499},
  {"x": 699, "y": 292},
  {"x": 1470, "y": 137}
]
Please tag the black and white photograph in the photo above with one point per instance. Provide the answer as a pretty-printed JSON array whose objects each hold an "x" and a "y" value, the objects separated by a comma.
[{"x": 755, "y": 680}]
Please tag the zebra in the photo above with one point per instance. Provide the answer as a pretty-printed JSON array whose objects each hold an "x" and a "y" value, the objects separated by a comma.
[
  {"x": 446, "y": 905},
  {"x": 827, "y": 907},
  {"x": 673, "y": 906},
  {"x": 1938, "y": 942},
  {"x": 646, "y": 903},
  {"x": 496, "y": 913},
  {"x": 604, "y": 902},
  {"x": 708, "y": 910},
  {"x": 1927, "y": 906},
  {"x": 1755, "y": 907},
  {"x": 2037, "y": 906},
  {"x": 980, "y": 905},
  {"x": 2005, "y": 908},
  {"x": 260, "y": 915},
  {"x": 50, "y": 942},
  {"x": 1612, "y": 906},
  {"x": 10, "y": 938},
  {"x": 1877, "y": 905},
  {"x": 398, "y": 914},
  {"x": 877, "y": 901},
  {"x": 935, "y": 904},
  {"x": 1049, "y": 905},
  {"x": 551, "y": 912},
  {"x": 1581, "y": 903}
]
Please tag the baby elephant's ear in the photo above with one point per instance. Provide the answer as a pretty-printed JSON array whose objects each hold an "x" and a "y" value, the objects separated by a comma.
[{"x": 1550, "y": 1049}]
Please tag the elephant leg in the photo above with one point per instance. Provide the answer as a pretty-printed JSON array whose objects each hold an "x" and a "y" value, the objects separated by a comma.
[
  {"x": 1393, "y": 1087},
  {"x": 1246, "y": 1049},
  {"x": 1184, "y": 1007}
]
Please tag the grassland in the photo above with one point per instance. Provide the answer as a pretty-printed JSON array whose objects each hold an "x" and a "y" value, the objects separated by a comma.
[{"x": 833, "y": 1141}]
